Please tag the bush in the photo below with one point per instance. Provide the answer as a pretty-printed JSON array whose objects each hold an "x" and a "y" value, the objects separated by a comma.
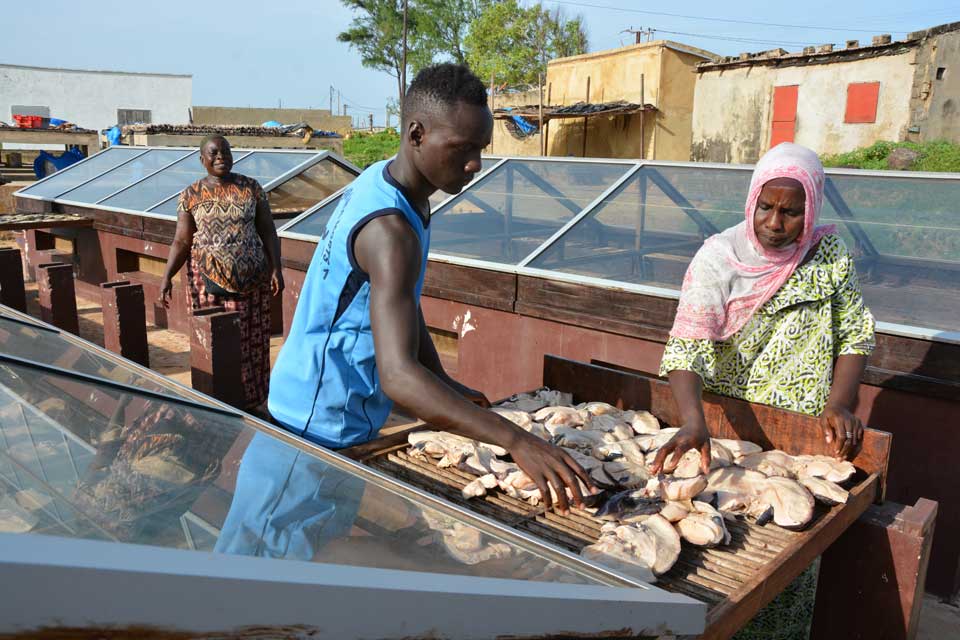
[
  {"x": 363, "y": 149},
  {"x": 938, "y": 155}
]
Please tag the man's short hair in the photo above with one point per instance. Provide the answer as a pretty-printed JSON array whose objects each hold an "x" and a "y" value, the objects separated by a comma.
[{"x": 441, "y": 86}]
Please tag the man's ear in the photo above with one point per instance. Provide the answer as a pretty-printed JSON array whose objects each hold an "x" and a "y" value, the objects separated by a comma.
[{"x": 415, "y": 133}]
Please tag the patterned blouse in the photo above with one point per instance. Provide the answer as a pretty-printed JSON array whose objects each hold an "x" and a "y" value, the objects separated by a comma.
[
  {"x": 226, "y": 246},
  {"x": 784, "y": 355}
]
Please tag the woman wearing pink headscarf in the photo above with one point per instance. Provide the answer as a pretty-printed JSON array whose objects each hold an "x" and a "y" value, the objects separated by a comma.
[{"x": 771, "y": 312}]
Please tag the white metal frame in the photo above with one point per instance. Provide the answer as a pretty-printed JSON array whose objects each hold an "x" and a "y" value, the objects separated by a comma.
[
  {"x": 125, "y": 585},
  {"x": 523, "y": 268},
  {"x": 525, "y": 541}
]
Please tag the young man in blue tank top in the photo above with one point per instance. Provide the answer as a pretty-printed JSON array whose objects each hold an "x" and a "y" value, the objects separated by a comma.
[{"x": 358, "y": 340}]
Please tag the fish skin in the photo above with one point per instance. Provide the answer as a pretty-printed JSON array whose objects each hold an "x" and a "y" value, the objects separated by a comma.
[
  {"x": 792, "y": 503},
  {"x": 674, "y": 489}
]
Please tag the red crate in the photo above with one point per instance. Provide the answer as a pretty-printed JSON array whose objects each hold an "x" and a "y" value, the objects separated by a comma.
[{"x": 28, "y": 122}]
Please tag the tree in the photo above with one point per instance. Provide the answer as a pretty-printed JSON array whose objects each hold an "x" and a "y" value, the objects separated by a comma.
[
  {"x": 513, "y": 44},
  {"x": 376, "y": 32},
  {"x": 442, "y": 29}
]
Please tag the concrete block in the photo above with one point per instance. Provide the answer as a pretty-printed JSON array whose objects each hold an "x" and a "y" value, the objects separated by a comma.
[
  {"x": 215, "y": 355},
  {"x": 12, "y": 292},
  {"x": 125, "y": 320},
  {"x": 58, "y": 301}
]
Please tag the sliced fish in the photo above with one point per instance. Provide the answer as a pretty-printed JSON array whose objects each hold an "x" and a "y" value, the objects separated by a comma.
[
  {"x": 675, "y": 489},
  {"x": 642, "y": 422},
  {"x": 824, "y": 467},
  {"x": 654, "y": 540},
  {"x": 614, "y": 553},
  {"x": 739, "y": 448},
  {"x": 792, "y": 503},
  {"x": 827, "y": 492}
]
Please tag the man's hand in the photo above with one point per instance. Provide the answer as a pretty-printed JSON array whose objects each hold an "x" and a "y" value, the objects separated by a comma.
[
  {"x": 549, "y": 464},
  {"x": 842, "y": 429},
  {"x": 690, "y": 436}
]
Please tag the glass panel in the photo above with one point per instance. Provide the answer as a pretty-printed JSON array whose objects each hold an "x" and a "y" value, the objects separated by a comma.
[
  {"x": 518, "y": 206},
  {"x": 149, "y": 192},
  {"x": 124, "y": 175},
  {"x": 46, "y": 347},
  {"x": 649, "y": 228},
  {"x": 909, "y": 265},
  {"x": 74, "y": 175},
  {"x": 264, "y": 167},
  {"x": 309, "y": 187},
  {"x": 316, "y": 222},
  {"x": 150, "y": 465}
]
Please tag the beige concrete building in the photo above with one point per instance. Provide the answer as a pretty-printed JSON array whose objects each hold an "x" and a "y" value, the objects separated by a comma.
[
  {"x": 831, "y": 100},
  {"x": 316, "y": 118},
  {"x": 660, "y": 73}
]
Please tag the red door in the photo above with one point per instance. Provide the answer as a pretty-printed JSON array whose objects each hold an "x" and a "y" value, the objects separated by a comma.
[{"x": 784, "y": 114}]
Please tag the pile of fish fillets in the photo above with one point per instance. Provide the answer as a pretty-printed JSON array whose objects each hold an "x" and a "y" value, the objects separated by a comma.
[{"x": 645, "y": 516}]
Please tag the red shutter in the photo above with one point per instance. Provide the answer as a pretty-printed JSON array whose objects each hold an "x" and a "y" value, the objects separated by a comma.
[
  {"x": 862, "y": 100},
  {"x": 784, "y": 114}
]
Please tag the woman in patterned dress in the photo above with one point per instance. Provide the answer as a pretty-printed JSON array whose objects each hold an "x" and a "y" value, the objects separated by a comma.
[
  {"x": 771, "y": 312},
  {"x": 226, "y": 236}
]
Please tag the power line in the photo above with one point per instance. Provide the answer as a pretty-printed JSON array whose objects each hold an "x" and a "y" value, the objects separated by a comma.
[
  {"x": 712, "y": 19},
  {"x": 738, "y": 39}
]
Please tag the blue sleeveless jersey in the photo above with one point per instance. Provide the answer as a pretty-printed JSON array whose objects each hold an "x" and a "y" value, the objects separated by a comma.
[{"x": 325, "y": 384}]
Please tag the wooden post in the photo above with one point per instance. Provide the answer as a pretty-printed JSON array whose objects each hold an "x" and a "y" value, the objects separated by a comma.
[
  {"x": 546, "y": 125},
  {"x": 872, "y": 578},
  {"x": 215, "y": 355},
  {"x": 58, "y": 300},
  {"x": 583, "y": 152},
  {"x": 12, "y": 292},
  {"x": 491, "y": 108},
  {"x": 643, "y": 112},
  {"x": 125, "y": 320},
  {"x": 540, "y": 86}
]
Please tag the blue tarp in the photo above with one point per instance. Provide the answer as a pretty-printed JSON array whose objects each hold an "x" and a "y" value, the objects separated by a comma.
[
  {"x": 526, "y": 128},
  {"x": 60, "y": 162}
]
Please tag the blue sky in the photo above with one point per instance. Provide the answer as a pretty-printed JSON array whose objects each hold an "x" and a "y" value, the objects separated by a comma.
[{"x": 247, "y": 53}]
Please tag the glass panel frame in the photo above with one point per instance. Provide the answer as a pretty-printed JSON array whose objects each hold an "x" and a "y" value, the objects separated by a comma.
[
  {"x": 91, "y": 165},
  {"x": 166, "y": 157}
]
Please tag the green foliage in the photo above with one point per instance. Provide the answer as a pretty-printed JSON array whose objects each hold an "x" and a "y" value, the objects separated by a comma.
[
  {"x": 376, "y": 32},
  {"x": 363, "y": 149},
  {"x": 442, "y": 27},
  {"x": 938, "y": 155},
  {"x": 512, "y": 43}
]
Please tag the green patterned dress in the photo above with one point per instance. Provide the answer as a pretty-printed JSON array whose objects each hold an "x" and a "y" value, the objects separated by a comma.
[{"x": 784, "y": 357}]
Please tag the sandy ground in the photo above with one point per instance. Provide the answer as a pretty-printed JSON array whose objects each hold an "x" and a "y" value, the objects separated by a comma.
[{"x": 939, "y": 620}]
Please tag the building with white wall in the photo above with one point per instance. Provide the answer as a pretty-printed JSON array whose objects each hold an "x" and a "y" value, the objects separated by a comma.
[
  {"x": 95, "y": 99},
  {"x": 830, "y": 99}
]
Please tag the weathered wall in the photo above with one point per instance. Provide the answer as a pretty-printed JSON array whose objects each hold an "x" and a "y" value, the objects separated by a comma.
[
  {"x": 90, "y": 99},
  {"x": 732, "y": 106},
  {"x": 316, "y": 118},
  {"x": 614, "y": 75},
  {"x": 935, "y": 103},
  {"x": 505, "y": 143},
  {"x": 674, "y": 123}
]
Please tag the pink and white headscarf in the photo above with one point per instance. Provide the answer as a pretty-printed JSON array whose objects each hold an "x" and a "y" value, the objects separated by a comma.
[{"x": 732, "y": 275}]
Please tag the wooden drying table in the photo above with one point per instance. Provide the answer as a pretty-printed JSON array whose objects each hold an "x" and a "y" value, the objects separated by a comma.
[{"x": 736, "y": 580}]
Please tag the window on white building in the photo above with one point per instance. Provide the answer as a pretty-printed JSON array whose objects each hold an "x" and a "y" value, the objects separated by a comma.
[{"x": 133, "y": 116}]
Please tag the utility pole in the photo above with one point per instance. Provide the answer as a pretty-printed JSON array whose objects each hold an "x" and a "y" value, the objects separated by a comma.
[
  {"x": 339, "y": 110},
  {"x": 331, "y": 99},
  {"x": 403, "y": 61},
  {"x": 371, "y": 123},
  {"x": 345, "y": 107}
]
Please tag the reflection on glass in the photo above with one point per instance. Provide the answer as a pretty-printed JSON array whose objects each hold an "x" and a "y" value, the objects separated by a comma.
[
  {"x": 48, "y": 347},
  {"x": 517, "y": 207},
  {"x": 264, "y": 167},
  {"x": 68, "y": 178},
  {"x": 168, "y": 182},
  {"x": 83, "y": 461},
  {"x": 649, "y": 228},
  {"x": 124, "y": 175},
  {"x": 316, "y": 222},
  {"x": 309, "y": 187},
  {"x": 905, "y": 235}
]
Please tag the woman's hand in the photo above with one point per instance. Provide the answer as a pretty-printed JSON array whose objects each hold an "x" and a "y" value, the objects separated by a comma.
[
  {"x": 276, "y": 282},
  {"x": 166, "y": 291},
  {"x": 693, "y": 435},
  {"x": 842, "y": 429}
]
